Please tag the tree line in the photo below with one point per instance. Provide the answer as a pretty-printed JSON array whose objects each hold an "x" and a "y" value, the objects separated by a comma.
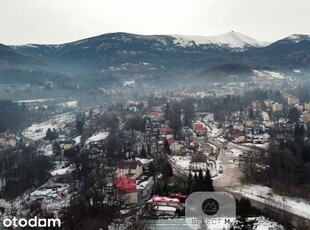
[
  {"x": 284, "y": 166},
  {"x": 22, "y": 170},
  {"x": 12, "y": 115}
]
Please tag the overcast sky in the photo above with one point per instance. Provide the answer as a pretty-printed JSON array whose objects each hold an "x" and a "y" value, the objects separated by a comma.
[{"x": 59, "y": 21}]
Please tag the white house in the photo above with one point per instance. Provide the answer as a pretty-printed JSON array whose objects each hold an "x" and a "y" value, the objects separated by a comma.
[{"x": 199, "y": 161}]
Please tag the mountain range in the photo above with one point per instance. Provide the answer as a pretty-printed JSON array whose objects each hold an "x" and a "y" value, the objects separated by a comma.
[{"x": 123, "y": 53}]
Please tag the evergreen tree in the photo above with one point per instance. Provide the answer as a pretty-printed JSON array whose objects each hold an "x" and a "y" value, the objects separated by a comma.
[
  {"x": 251, "y": 113},
  {"x": 165, "y": 189},
  {"x": 244, "y": 223},
  {"x": 293, "y": 115},
  {"x": 152, "y": 169},
  {"x": 48, "y": 134},
  {"x": 167, "y": 147},
  {"x": 208, "y": 182},
  {"x": 56, "y": 149},
  {"x": 143, "y": 152},
  {"x": 167, "y": 170},
  {"x": 189, "y": 182},
  {"x": 200, "y": 181},
  {"x": 194, "y": 186},
  {"x": 167, "y": 112},
  {"x": 51, "y": 135},
  {"x": 244, "y": 210},
  {"x": 79, "y": 127}
]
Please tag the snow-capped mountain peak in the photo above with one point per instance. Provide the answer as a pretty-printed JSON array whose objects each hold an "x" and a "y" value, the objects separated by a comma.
[
  {"x": 231, "y": 39},
  {"x": 298, "y": 37}
]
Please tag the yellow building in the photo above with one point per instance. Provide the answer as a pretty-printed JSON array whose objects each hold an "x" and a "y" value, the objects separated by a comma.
[
  {"x": 307, "y": 106},
  {"x": 248, "y": 123},
  {"x": 277, "y": 107},
  {"x": 306, "y": 117}
]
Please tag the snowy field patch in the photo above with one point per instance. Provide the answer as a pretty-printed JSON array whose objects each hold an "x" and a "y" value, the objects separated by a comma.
[
  {"x": 265, "y": 195},
  {"x": 38, "y": 131}
]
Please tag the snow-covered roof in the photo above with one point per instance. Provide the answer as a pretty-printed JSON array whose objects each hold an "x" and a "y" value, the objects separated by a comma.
[
  {"x": 164, "y": 199},
  {"x": 165, "y": 208},
  {"x": 97, "y": 137},
  {"x": 63, "y": 171}
]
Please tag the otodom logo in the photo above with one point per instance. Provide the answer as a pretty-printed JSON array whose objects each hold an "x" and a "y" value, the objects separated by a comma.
[{"x": 33, "y": 223}]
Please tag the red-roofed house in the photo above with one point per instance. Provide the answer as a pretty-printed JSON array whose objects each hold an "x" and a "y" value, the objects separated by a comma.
[
  {"x": 170, "y": 141},
  {"x": 165, "y": 130},
  {"x": 7, "y": 139},
  {"x": 174, "y": 146},
  {"x": 180, "y": 196},
  {"x": 126, "y": 189},
  {"x": 161, "y": 205},
  {"x": 199, "y": 128},
  {"x": 156, "y": 114},
  {"x": 133, "y": 169}
]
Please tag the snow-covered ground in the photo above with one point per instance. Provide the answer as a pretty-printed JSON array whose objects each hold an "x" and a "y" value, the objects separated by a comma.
[
  {"x": 144, "y": 161},
  {"x": 34, "y": 100},
  {"x": 47, "y": 150},
  {"x": 265, "y": 195},
  {"x": 211, "y": 125},
  {"x": 69, "y": 104},
  {"x": 38, "y": 131},
  {"x": 77, "y": 140},
  {"x": 4, "y": 203},
  {"x": 235, "y": 152},
  {"x": 97, "y": 137},
  {"x": 268, "y": 74},
  {"x": 263, "y": 146}
]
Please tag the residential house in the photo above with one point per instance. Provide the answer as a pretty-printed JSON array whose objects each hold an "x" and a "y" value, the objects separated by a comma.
[
  {"x": 7, "y": 139},
  {"x": 276, "y": 107},
  {"x": 163, "y": 206},
  {"x": 306, "y": 117},
  {"x": 258, "y": 129},
  {"x": 256, "y": 106},
  {"x": 248, "y": 123},
  {"x": 199, "y": 129},
  {"x": 139, "y": 146},
  {"x": 307, "y": 106},
  {"x": 175, "y": 147},
  {"x": 298, "y": 106},
  {"x": 268, "y": 103},
  {"x": 69, "y": 144},
  {"x": 64, "y": 174},
  {"x": 132, "y": 169},
  {"x": 126, "y": 189},
  {"x": 156, "y": 116},
  {"x": 199, "y": 161},
  {"x": 258, "y": 139},
  {"x": 165, "y": 130}
]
